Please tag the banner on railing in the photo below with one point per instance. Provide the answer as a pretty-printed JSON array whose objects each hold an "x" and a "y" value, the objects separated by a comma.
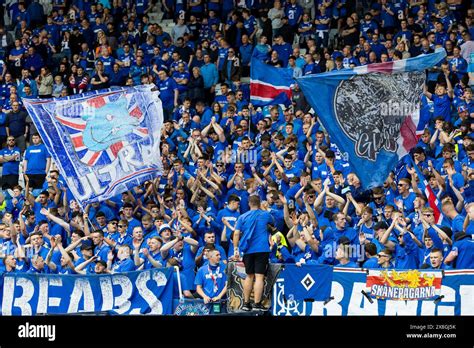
[
  {"x": 404, "y": 285},
  {"x": 142, "y": 292},
  {"x": 350, "y": 296}
]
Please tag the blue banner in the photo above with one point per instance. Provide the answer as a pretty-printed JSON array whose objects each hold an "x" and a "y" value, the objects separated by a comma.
[
  {"x": 104, "y": 142},
  {"x": 371, "y": 112},
  {"x": 143, "y": 292},
  {"x": 308, "y": 282},
  {"x": 347, "y": 298}
]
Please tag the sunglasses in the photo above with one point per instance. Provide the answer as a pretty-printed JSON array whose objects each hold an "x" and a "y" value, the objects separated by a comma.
[
  {"x": 121, "y": 226},
  {"x": 219, "y": 165},
  {"x": 168, "y": 200},
  {"x": 377, "y": 198}
]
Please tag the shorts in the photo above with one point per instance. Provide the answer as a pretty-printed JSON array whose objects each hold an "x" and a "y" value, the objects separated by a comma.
[
  {"x": 9, "y": 181},
  {"x": 256, "y": 263},
  {"x": 37, "y": 180}
]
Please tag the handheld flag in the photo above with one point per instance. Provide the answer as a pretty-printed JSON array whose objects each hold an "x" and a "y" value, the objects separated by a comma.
[
  {"x": 371, "y": 112},
  {"x": 269, "y": 85},
  {"x": 425, "y": 187},
  {"x": 103, "y": 142}
]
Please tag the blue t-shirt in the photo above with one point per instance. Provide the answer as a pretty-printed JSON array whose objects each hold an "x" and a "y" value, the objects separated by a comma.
[
  {"x": 36, "y": 155},
  {"x": 253, "y": 225},
  {"x": 167, "y": 88},
  {"x": 465, "y": 250},
  {"x": 125, "y": 265},
  {"x": 442, "y": 106},
  {"x": 10, "y": 167}
]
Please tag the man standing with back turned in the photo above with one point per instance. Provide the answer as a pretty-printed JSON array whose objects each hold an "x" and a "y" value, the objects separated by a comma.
[{"x": 252, "y": 232}]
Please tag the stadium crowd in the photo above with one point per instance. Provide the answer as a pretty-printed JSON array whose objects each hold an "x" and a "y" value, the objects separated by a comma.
[{"x": 229, "y": 165}]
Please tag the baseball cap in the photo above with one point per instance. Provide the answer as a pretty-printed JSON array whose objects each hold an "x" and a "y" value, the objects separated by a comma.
[{"x": 164, "y": 227}]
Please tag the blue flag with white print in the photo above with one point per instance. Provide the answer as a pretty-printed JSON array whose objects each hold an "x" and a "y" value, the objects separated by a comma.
[
  {"x": 129, "y": 293},
  {"x": 308, "y": 282},
  {"x": 371, "y": 112},
  {"x": 103, "y": 142}
]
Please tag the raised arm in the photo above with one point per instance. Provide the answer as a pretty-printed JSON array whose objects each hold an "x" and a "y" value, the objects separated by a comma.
[
  {"x": 56, "y": 219},
  {"x": 80, "y": 268},
  {"x": 29, "y": 197},
  {"x": 389, "y": 230}
]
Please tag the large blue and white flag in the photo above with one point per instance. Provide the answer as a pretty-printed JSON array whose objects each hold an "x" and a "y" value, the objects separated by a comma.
[
  {"x": 103, "y": 142},
  {"x": 269, "y": 85},
  {"x": 371, "y": 112}
]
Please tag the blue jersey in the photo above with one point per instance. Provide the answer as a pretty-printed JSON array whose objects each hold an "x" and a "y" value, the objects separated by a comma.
[
  {"x": 408, "y": 202},
  {"x": 253, "y": 226},
  {"x": 442, "y": 106},
  {"x": 293, "y": 12},
  {"x": 122, "y": 240},
  {"x": 167, "y": 88},
  {"x": 125, "y": 265},
  {"x": 156, "y": 256},
  {"x": 212, "y": 279},
  {"x": 102, "y": 252},
  {"x": 250, "y": 24},
  {"x": 36, "y": 155},
  {"x": 11, "y": 167},
  {"x": 465, "y": 250}
]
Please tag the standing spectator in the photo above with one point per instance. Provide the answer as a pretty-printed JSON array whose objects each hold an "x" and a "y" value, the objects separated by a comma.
[
  {"x": 275, "y": 14},
  {"x": 210, "y": 77},
  {"x": 10, "y": 158},
  {"x": 196, "y": 86},
  {"x": 6, "y": 41},
  {"x": 169, "y": 94},
  {"x": 137, "y": 70},
  {"x": 100, "y": 80},
  {"x": 58, "y": 86},
  {"x": 283, "y": 49},
  {"x": 181, "y": 77},
  {"x": 79, "y": 82},
  {"x": 232, "y": 70},
  {"x": 37, "y": 162},
  {"x": 45, "y": 83},
  {"x": 245, "y": 51},
  {"x": 294, "y": 12},
  {"x": 16, "y": 125},
  {"x": 179, "y": 30},
  {"x": 15, "y": 58},
  {"x": 251, "y": 237}
]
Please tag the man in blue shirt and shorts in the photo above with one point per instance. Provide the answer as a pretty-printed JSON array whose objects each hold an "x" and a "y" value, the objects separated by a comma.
[{"x": 251, "y": 237}]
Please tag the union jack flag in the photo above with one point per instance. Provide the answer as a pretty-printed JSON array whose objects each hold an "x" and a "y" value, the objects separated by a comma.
[
  {"x": 103, "y": 106},
  {"x": 103, "y": 142}
]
